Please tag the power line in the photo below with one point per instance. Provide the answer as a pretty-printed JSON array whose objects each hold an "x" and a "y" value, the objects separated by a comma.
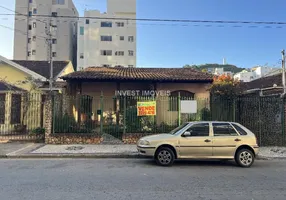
[
  {"x": 13, "y": 29},
  {"x": 163, "y": 20}
]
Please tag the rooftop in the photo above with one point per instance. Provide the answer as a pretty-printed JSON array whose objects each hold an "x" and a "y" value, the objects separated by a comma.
[
  {"x": 144, "y": 74},
  {"x": 43, "y": 67}
]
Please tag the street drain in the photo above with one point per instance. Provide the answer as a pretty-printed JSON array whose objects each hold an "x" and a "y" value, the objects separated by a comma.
[{"x": 74, "y": 148}]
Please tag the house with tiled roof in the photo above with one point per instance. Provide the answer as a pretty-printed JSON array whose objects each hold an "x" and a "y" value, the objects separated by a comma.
[
  {"x": 120, "y": 82},
  {"x": 22, "y": 83}
]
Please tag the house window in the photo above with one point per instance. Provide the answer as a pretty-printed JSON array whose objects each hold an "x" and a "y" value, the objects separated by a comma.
[
  {"x": 30, "y": 13},
  {"x": 130, "y": 38},
  {"x": 131, "y": 53},
  {"x": 119, "y": 24},
  {"x": 2, "y": 108},
  {"x": 16, "y": 109},
  {"x": 106, "y": 24},
  {"x": 54, "y": 14},
  {"x": 34, "y": 24},
  {"x": 29, "y": 53},
  {"x": 81, "y": 30},
  {"x": 174, "y": 98},
  {"x": 54, "y": 41},
  {"x": 35, "y": 11},
  {"x": 106, "y": 52},
  {"x": 121, "y": 38},
  {"x": 34, "y": 38},
  {"x": 106, "y": 38},
  {"x": 30, "y": 27},
  {"x": 87, "y": 21},
  {"x": 119, "y": 53},
  {"x": 33, "y": 52},
  {"x": 29, "y": 40},
  {"x": 54, "y": 54},
  {"x": 81, "y": 56}
]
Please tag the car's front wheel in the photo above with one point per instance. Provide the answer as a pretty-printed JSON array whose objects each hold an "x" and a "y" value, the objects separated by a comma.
[
  {"x": 244, "y": 158},
  {"x": 164, "y": 156}
]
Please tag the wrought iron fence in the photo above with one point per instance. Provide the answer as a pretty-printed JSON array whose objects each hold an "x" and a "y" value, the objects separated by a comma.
[
  {"x": 118, "y": 115},
  {"x": 21, "y": 116}
]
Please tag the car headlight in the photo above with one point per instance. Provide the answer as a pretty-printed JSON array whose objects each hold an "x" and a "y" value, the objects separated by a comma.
[{"x": 144, "y": 142}]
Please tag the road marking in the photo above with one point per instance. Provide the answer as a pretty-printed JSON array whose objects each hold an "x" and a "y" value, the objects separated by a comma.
[{"x": 14, "y": 152}]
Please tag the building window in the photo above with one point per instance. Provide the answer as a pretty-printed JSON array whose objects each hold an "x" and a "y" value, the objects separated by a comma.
[
  {"x": 54, "y": 14},
  {"x": 120, "y": 24},
  {"x": 106, "y": 24},
  {"x": 35, "y": 11},
  {"x": 130, "y": 39},
  {"x": 121, "y": 38},
  {"x": 131, "y": 53},
  {"x": 30, "y": 1},
  {"x": 130, "y": 65},
  {"x": 106, "y": 52},
  {"x": 61, "y": 2},
  {"x": 106, "y": 65},
  {"x": 30, "y": 27},
  {"x": 87, "y": 21},
  {"x": 106, "y": 38},
  {"x": 29, "y": 40},
  {"x": 34, "y": 38},
  {"x": 81, "y": 56},
  {"x": 81, "y": 30},
  {"x": 33, "y": 52},
  {"x": 119, "y": 53},
  {"x": 54, "y": 41},
  {"x": 54, "y": 54},
  {"x": 174, "y": 98},
  {"x": 29, "y": 53},
  {"x": 34, "y": 24},
  {"x": 30, "y": 13},
  {"x": 2, "y": 108},
  {"x": 16, "y": 109}
]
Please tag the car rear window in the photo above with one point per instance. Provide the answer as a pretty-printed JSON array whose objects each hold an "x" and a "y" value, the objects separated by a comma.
[{"x": 239, "y": 129}]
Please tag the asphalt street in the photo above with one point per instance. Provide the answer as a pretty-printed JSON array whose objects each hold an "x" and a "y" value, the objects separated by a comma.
[{"x": 124, "y": 179}]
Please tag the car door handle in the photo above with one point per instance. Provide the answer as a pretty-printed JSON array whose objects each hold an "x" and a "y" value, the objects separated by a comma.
[
  {"x": 207, "y": 140},
  {"x": 237, "y": 140}
]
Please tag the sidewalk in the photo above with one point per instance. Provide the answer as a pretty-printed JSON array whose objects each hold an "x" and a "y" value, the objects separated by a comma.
[{"x": 36, "y": 150}]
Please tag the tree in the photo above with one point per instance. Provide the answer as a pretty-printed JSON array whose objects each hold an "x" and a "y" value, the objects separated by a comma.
[{"x": 225, "y": 85}]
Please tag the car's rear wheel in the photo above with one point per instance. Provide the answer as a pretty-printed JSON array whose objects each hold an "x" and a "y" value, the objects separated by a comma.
[
  {"x": 244, "y": 158},
  {"x": 165, "y": 156}
]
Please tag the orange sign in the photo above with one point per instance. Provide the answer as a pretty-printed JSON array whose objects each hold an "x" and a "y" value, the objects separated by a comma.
[{"x": 146, "y": 108}]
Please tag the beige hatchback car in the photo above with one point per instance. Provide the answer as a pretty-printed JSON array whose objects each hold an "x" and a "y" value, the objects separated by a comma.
[{"x": 202, "y": 140}]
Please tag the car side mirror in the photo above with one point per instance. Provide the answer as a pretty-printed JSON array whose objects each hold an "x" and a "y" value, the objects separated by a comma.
[{"x": 186, "y": 134}]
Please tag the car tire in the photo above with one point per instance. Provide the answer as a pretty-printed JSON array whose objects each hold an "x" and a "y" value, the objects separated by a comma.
[
  {"x": 164, "y": 156},
  {"x": 244, "y": 158}
]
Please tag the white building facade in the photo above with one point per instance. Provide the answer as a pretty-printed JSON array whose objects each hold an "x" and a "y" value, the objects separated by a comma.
[
  {"x": 220, "y": 71},
  {"x": 108, "y": 42},
  {"x": 256, "y": 73},
  {"x": 30, "y": 31}
]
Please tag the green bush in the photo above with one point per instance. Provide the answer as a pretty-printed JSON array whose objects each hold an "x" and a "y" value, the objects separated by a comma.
[
  {"x": 38, "y": 131},
  {"x": 64, "y": 124}
]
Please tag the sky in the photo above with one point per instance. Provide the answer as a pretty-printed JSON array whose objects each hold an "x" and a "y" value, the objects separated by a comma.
[{"x": 163, "y": 44}]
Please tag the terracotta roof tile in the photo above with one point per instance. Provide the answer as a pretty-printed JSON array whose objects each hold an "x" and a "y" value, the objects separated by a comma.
[{"x": 158, "y": 74}]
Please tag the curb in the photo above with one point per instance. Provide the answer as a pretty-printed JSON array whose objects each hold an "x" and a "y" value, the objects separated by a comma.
[{"x": 79, "y": 156}]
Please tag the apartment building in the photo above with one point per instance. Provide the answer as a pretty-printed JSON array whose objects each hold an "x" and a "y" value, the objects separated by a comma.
[
  {"x": 30, "y": 30},
  {"x": 108, "y": 42}
]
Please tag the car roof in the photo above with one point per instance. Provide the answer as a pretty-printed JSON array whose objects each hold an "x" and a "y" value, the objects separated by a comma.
[{"x": 211, "y": 122}]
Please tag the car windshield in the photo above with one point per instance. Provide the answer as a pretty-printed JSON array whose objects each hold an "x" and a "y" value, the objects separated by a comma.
[{"x": 174, "y": 131}]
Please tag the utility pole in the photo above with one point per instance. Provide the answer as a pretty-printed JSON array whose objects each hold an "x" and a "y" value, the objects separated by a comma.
[
  {"x": 283, "y": 71},
  {"x": 49, "y": 30}
]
